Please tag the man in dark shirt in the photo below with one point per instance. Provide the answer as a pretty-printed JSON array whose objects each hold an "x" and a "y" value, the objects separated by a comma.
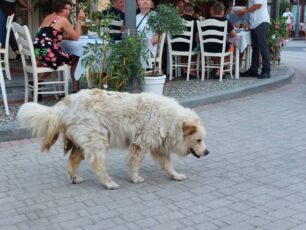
[
  {"x": 188, "y": 12},
  {"x": 117, "y": 9},
  {"x": 217, "y": 12}
]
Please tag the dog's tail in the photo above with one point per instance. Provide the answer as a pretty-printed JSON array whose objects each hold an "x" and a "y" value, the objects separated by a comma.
[{"x": 42, "y": 120}]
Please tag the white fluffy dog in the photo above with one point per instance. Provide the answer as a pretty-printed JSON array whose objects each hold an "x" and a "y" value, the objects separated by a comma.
[{"x": 92, "y": 121}]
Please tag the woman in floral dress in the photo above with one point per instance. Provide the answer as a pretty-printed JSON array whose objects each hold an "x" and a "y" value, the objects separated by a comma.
[{"x": 53, "y": 29}]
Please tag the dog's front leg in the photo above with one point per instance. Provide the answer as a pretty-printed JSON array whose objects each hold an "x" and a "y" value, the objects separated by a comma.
[
  {"x": 165, "y": 163},
  {"x": 135, "y": 157},
  {"x": 101, "y": 172}
]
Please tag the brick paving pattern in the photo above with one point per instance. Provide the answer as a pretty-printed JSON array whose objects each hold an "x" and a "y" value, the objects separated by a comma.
[{"x": 254, "y": 177}]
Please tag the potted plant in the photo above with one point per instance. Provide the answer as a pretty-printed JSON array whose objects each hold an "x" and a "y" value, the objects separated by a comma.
[
  {"x": 109, "y": 64},
  {"x": 165, "y": 19}
]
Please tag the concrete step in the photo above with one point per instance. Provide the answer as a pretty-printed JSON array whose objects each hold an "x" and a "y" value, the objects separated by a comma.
[{"x": 15, "y": 87}]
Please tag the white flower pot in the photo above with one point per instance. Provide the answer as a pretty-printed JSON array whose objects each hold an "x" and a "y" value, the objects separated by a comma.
[{"x": 154, "y": 84}]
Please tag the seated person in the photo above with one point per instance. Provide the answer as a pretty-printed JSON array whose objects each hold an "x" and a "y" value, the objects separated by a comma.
[
  {"x": 188, "y": 12},
  {"x": 50, "y": 33},
  {"x": 217, "y": 12},
  {"x": 117, "y": 9},
  {"x": 236, "y": 20},
  {"x": 142, "y": 26},
  {"x": 180, "y": 6}
]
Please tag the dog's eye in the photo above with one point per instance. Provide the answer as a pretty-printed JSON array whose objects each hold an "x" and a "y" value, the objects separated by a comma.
[{"x": 199, "y": 140}]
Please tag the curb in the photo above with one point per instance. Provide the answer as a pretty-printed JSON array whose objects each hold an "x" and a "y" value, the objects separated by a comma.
[
  {"x": 229, "y": 94},
  {"x": 15, "y": 132}
]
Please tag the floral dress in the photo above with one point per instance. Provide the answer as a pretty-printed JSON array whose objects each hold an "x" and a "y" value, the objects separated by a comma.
[{"x": 46, "y": 48}]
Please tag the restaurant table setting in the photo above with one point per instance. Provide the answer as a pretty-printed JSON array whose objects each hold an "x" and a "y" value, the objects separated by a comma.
[
  {"x": 77, "y": 48},
  {"x": 242, "y": 43}
]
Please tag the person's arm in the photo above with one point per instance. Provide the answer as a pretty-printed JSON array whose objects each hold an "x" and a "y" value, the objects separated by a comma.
[
  {"x": 231, "y": 30},
  {"x": 242, "y": 13},
  {"x": 73, "y": 33},
  {"x": 232, "y": 34},
  {"x": 154, "y": 39},
  {"x": 70, "y": 32}
]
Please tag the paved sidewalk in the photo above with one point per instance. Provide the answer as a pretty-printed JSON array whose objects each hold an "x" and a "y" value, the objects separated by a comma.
[{"x": 254, "y": 177}]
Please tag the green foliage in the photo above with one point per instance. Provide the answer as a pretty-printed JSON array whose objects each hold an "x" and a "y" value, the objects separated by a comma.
[
  {"x": 277, "y": 35},
  {"x": 110, "y": 65},
  {"x": 124, "y": 61},
  {"x": 165, "y": 19}
]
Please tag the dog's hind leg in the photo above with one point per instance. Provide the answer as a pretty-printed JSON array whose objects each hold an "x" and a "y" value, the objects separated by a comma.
[
  {"x": 135, "y": 158},
  {"x": 73, "y": 165},
  {"x": 93, "y": 146},
  {"x": 165, "y": 163},
  {"x": 101, "y": 172}
]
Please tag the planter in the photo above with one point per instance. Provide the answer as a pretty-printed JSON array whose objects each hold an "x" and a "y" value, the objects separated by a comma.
[{"x": 154, "y": 84}]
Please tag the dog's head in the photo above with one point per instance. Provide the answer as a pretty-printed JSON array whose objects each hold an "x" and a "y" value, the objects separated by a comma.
[{"x": 194, "y": 135}]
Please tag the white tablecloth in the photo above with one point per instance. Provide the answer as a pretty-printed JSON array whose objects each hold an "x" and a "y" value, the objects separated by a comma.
[
  {"x": 76, "y": 48},
  {"x": 242, "y": 42}
]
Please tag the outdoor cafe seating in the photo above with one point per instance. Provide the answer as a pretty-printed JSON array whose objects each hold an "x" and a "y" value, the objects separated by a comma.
[{"x": 51, "y": 85}]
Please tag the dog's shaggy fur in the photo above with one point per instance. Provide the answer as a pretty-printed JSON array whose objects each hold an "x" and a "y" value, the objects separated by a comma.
[{"x": 92, "y": 121}]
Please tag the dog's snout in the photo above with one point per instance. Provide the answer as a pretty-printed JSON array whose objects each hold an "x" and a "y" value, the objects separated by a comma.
[{"x": 206, "y": 152}]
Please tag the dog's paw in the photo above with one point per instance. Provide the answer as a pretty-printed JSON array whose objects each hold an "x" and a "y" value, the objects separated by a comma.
[
  {"x": 137, "y": 180},
  {"x": 77, "y": 180},
  {"x": 179, "y": 177},
  {"x": 112, "y": 185}
]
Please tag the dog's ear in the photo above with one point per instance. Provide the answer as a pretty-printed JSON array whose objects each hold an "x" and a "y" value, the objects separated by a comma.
[{"x": 189, "y": 128}]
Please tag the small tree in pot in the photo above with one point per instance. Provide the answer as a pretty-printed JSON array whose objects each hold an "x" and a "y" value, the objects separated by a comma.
[{"x": 165, "y": 19}]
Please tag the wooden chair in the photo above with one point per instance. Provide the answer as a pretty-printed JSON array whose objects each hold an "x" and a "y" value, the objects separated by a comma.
[
  {"x": 175, "y": 55},
  {"x": 31, "y": 69},
  {"x": 5, "y": 51},
  {"x": 208, "y": 34}
]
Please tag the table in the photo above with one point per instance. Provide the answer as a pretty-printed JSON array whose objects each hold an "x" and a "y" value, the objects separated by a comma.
[
  {"x": 242, "y": 42},
  {"x": 76, "y": 48},
  {"x": 2, "y": 84}
]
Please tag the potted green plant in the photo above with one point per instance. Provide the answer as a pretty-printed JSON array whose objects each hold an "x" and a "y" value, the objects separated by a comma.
[
  {"x": 164, "y": 20},
  {"x": 109, "y": 64}
]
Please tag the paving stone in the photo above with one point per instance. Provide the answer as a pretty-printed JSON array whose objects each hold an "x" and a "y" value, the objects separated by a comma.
[{"x": 254, "y": 177}]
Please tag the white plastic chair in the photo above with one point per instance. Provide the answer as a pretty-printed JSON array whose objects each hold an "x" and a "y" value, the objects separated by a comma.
[
  {"x": 5, "y": 50},
  {"x": 174, "y": 55},
  {"x": 26, "y": 49},
  {"x": 2, "y": 85},
  {"x": 159, "y": 54},
  {"x": 208, "y": 34}
]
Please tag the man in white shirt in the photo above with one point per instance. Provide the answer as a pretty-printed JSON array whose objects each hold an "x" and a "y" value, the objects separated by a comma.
[
  {"x": 289, "y": 21},
  {"x": 259, "y": 25}
]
